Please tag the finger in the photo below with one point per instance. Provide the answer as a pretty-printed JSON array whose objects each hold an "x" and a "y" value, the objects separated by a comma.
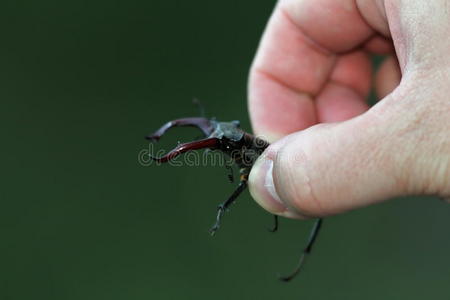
[
  {"x": 337, "y": 26},
  {"x": 297, "y": 56},
  {"x": 388, "y": 77},
  {"x": 344, "y": 96},
  {"x": 287, "y": 72},
  {"x": 277, "y": 110},
  {"x": 374, "y": 13},
  {"x": 338, "y": 102},
  {"x": 379, "y": 45}
]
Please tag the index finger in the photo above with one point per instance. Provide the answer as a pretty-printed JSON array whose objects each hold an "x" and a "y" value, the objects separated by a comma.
[{"x": 296, "y": 58}]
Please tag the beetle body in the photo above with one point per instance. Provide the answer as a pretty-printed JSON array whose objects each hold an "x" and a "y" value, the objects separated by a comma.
[{"x": 242, "y": 147}]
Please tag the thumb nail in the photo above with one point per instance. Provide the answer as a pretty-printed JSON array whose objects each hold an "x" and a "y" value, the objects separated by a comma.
[{"x": 263, "y": 189}]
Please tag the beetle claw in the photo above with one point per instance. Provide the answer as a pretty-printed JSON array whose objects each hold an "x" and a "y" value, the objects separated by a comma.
[
  {"x": 223, "y": 207},
  {"x": 275, "y": 224}
]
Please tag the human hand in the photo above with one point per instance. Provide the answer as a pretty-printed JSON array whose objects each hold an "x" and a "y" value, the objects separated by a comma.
[{"x": 312, "y": 67}]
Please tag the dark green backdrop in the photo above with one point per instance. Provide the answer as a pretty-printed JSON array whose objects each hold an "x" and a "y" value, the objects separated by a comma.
[{"x": 81, "y": 83}]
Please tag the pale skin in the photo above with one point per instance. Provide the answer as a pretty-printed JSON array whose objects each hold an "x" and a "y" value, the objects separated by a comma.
[{"x": 308, "y": 87}]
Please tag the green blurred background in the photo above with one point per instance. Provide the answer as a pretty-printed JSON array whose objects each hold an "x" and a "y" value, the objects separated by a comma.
[{"x": 81, "y": 83}]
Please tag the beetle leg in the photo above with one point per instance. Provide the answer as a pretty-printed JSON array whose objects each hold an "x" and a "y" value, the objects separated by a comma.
[
  {"x": 312, "y": 238},
  {"x": 275, "y": 224},
  {"x": 211, "y": 143},
  {"x": 230, "y": 175},
  {"x": 201, "y": 123},
  {"x": 224, "y": 206}
]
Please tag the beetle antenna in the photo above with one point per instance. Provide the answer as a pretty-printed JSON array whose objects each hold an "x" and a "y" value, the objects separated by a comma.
[
  {"x": 312, "y": 238},
  {"x": 200, "y": 107}
]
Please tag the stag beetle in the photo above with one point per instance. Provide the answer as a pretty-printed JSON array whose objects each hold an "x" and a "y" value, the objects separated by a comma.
[{"x": 243, "y": 148}]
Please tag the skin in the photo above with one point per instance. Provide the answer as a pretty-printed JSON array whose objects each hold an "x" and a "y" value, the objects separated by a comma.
[{"x": 307, "y": 94}]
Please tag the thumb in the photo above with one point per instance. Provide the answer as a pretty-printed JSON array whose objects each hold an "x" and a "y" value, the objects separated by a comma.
[{"x": 330, "y": 168}]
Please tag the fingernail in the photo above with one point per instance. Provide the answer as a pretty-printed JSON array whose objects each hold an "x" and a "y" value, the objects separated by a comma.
[
  {"x": 269, "y": 184},
  {"x": 262, "y": 187}
]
